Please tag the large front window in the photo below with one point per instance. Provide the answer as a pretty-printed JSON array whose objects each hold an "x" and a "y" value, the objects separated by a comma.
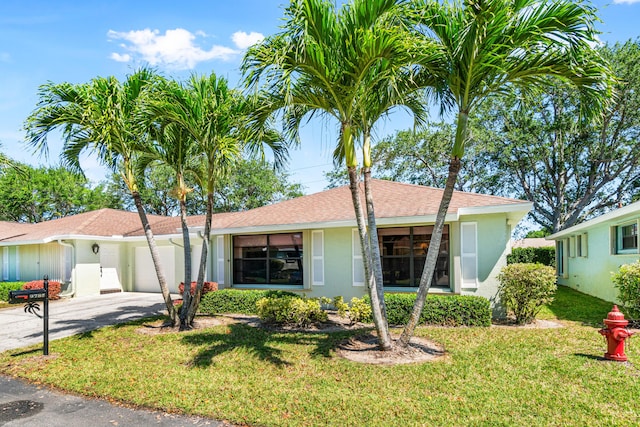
[
  {"x": 272, "y": 259},
  {"x": 404, "y": 251}
]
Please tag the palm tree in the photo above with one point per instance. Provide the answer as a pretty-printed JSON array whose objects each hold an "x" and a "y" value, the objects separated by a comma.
[
  {"x": 100, "y": 117},
  {"x": 491, "y": 46},
  {"x": 215, "y": 118},
  {"x": 171, "y": 145},
  {"x": 332, "y": 62}
]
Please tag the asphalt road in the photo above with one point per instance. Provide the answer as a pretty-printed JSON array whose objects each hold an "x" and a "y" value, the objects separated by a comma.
[{"x": 24, "y": 404}]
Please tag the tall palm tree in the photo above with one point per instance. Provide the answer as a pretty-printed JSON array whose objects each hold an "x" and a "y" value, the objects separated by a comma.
[
  {"x": 173, "y": 146},
  {"x": 100, "y": 117},
  {"x": 492, "y": 46},
  {"x": 215, "y": 118},
  {"x": 330, "y": 62}
]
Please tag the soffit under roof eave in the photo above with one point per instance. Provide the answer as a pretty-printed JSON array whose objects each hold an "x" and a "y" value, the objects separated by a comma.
[
  {"x": 406, "y": 220},
  {"x": 620, "y": 215},
  {"x": 50, "y": 239},
  {"x": 524, "y": 208}
]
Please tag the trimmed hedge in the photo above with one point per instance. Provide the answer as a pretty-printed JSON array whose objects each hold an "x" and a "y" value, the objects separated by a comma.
[
  {"x": 242, "y": 301},
  {"x": 544, "y": 256},
  {"x": 442, "y": 310},
  {"x": 5, "y": 287}
]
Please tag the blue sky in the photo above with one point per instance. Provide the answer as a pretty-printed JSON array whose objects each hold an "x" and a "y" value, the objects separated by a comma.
[{"x": 74, "y": 41}]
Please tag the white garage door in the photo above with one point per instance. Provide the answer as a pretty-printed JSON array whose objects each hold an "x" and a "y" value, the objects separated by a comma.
[{"x": 145, "y": 274}]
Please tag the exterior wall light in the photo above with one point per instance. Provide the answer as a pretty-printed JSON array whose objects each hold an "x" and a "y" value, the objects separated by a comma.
[{"x": 95, "y": 248}]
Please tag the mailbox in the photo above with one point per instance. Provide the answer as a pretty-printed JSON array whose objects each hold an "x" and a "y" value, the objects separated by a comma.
[{"x": 27, "y": 295}]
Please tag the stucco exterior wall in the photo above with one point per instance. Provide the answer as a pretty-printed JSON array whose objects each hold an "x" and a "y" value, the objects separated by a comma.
[
  {"x": 493, "y": 240},
  {"x": 591, "y": 274},
  {"x": 338, "y": 273}
]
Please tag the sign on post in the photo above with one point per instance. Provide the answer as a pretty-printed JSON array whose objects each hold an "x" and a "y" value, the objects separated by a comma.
[{"x": 31, "y": 297}]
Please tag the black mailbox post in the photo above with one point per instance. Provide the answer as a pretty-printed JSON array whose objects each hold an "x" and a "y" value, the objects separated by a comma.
[
  {"x": 27, "y": 295},
  {"x": 30, "y": 297}
]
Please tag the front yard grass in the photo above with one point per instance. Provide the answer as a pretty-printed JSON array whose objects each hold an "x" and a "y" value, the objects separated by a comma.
[{"x": 499, "y": 376}]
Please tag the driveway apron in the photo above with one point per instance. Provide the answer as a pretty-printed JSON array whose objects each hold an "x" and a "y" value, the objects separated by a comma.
[{"x": 76, "y": 315}]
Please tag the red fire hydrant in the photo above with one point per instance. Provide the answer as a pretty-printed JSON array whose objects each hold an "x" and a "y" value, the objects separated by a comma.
[{"x": 615, "y": 333}]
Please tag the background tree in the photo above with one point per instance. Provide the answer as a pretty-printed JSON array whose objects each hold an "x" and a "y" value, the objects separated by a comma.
[
  {"x": 421, "y": 157},
  {"x": 570, "y": 169},
  {"x": 29, "y": 194},
  {"x": 254, "y": 183},
  {"x": 155, "y": 191}
]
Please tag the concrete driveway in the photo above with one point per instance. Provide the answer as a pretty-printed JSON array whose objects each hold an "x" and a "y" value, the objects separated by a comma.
[{"x": 76, "y": 315}]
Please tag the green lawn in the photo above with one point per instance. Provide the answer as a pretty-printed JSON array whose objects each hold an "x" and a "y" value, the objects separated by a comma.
[{"x": 490, "y": 377}]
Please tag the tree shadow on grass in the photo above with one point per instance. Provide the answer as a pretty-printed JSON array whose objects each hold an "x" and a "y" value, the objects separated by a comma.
[
  {"x": 575, "y": 306},
  {"x": 262, "y": 343}
]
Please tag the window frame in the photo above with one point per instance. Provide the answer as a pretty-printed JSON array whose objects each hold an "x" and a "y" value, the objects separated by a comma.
[
  {"x": 414, "y": 278},
  {"x": 268, "y": 248},
  {"x": 619, "y": 238}
]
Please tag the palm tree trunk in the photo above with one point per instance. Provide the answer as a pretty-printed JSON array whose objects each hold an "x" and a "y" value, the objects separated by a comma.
[
  {"x": 195, "y": 301},
  {"x": 186, "y": 294},
  {"x": 384, "y": 340},
  {"x": 376, "y": 263},
  {"x": 155, "y": 256},
  {"x": 432, "y": 253}
]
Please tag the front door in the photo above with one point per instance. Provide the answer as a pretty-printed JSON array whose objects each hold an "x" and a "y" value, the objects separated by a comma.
[{"x": 109, "y": 267}]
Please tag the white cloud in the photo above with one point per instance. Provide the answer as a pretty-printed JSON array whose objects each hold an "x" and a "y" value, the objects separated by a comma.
[
  {"x": 626, "y": 1},
  {"x": 243, "y": 40},
  {"x": 174, "y": 49},
  {"x": 120, "y": 58}
]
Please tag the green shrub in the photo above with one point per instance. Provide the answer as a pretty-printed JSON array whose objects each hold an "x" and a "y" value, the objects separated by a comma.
[
  {"x": 290, "y": 310},
  {"x": 544, "y": 256},
  {"x": 55, "y": 287},
  {"x": 627, "y": 280},
  {"x": 525, "y": 288},
  {"x": 359, "y": 310},
  {"x": 241, "y": 301},
  {"x": 5, "y": 287},
  {"x": 340, "y": 306},
  {"x": 443, "y": 310}
]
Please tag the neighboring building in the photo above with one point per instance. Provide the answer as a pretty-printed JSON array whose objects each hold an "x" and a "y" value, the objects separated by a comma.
[
  {"x": 532, "y": 242},
  {"x": 308, "y": 244},
  {"x": 587, "y": 253}
]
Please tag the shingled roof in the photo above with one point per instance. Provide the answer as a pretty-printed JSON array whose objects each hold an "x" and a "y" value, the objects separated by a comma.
[
  {"x": 392, "y": 200},
  {"x": 99, "y": 223}
]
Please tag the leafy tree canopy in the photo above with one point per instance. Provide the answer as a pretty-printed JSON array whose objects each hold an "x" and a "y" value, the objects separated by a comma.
[
  {"x": 39, "y": 194},
  {"x": 253, "y": 184},
  {"x": 570, "y": 169}
]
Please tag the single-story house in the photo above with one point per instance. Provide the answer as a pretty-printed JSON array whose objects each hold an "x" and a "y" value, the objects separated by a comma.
[
  {"x": 587, "y": 253},
  {"x": 309, "y": 244}
]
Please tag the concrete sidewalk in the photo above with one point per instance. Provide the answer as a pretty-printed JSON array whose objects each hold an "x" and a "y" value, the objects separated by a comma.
[{"x": 76, "y": 315}]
